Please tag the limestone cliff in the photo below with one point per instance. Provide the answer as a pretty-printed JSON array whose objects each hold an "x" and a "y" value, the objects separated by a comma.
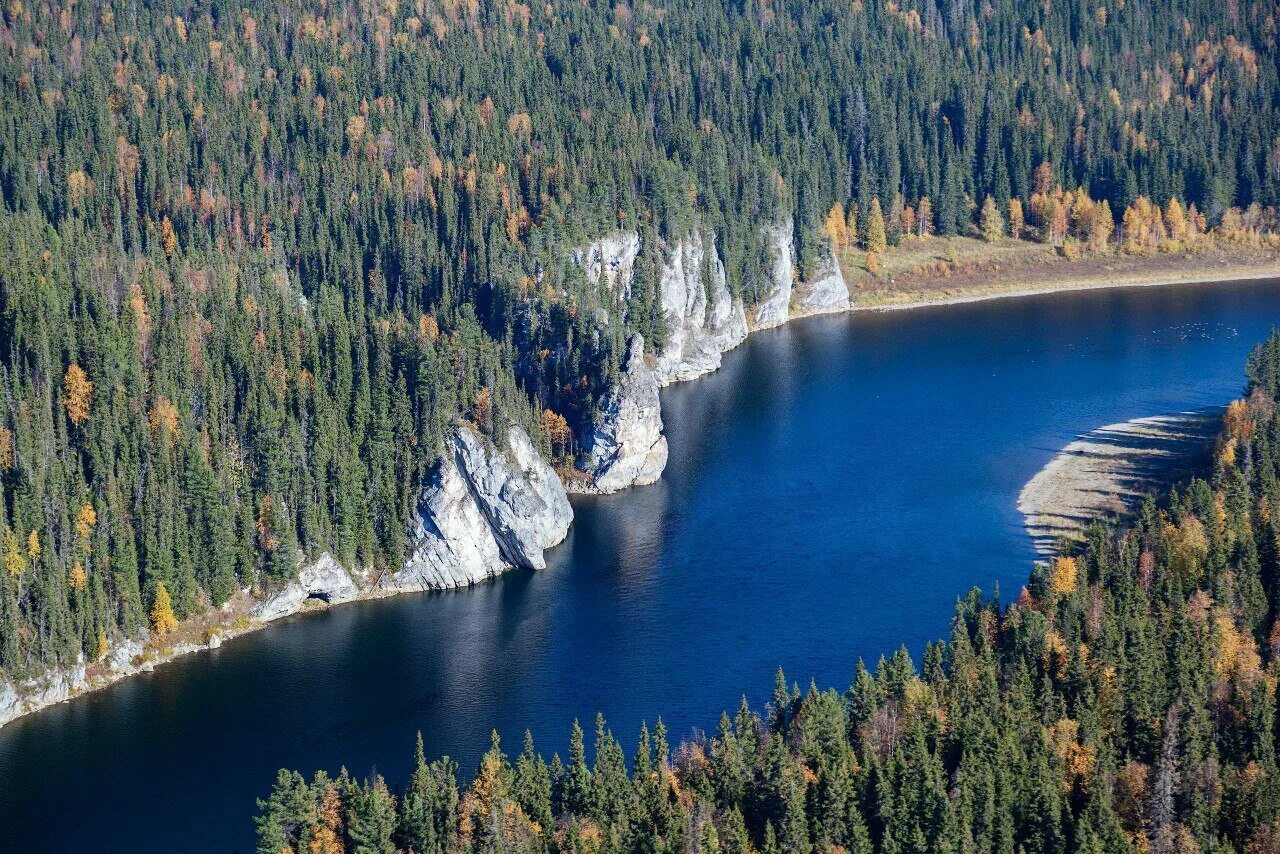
[
  {"x": 825, "y": 291},
  {"x": 611, "y": 261},
  {"x": 626, "y": 446},
  {"x": 702, "y": 318},
  {"x": 324, "y": 580},
  {"x": 775, "y": 308},
  {"x": 485, "y": 511},
  {"x": 54, "y": 687}
]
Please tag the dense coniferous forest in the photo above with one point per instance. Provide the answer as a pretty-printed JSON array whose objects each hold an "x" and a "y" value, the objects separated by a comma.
[
  {"x": 256, "y": 258},
  {"x": 1125, "y": 702}
]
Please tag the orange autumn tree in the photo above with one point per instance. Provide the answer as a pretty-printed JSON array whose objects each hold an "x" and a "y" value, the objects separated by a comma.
[
  {"x": 77, "y": 393},
  {"x": 558, "y": 431},
  {"x": 482, "y": 408},
  {"x": 837, "y": 228},
  {"x": 327, "y": 836},
  {"x": 1017, "y": 220},
  {"x": 1100, "y": 226}
]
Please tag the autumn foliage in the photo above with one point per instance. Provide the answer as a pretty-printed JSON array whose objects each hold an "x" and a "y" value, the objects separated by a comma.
[
  {"x": 77, "y": 393},
  {"x": 163, "y": 620}
]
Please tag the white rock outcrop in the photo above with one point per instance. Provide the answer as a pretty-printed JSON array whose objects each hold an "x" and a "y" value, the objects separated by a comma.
[
  {"x": 825, "y": 291},
  {"x": 775, "y": 309},
  {"x": 484, "y": 512},
  {"x": 324, "y": 579},
  {"x": 702, "y": 318},
  {"x": 55, "y": 686},
  {"x": 611, "y": 261},
  {"x": 519, "y": 494},
  {"x": 626, "y": 447},
  {"x": 120, "y": 658}
]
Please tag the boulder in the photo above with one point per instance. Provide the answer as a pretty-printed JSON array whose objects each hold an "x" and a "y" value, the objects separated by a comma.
[{"x": 519, "y": 494}]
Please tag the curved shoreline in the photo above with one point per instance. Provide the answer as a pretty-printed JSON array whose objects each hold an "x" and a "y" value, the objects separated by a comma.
[
  {"x": 1105, "y": 473},
  {"x": 131, "y": 659},
  {"x": 1225, "y": 276}
]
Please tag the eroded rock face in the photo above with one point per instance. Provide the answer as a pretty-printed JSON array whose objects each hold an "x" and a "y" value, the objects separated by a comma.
[
  {"x": 54, "y": 687},
  {"x": 775, "y": 308},
  {"x": 485, "y": 511},
  {"x": 611, "y": 261},
  {"x": 703, "y": 320},
  {"x": 627, "y": 447},
  {"x": 325, "y": 579},
  {"x": 519, "y": 494},
  {"x": 825, "y": 291}
]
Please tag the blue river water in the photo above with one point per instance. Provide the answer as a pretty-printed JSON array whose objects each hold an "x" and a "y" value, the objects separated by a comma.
[{"x": 831, "y": 491}]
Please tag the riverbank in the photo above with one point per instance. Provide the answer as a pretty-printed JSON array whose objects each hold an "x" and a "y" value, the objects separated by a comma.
[
  {"x": 948, "y": 271},
  {"x": 211, "y": 629},
  {"x": 1104, "y": 474}
]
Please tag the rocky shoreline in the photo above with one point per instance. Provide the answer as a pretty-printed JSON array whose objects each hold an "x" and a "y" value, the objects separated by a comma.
[
  {"x": 1105, "y": 473},
  {"x": 487, "y": 509}
]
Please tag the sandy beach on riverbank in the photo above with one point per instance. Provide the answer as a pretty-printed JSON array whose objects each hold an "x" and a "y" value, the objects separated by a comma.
[{"x": 1104, "y": 474}]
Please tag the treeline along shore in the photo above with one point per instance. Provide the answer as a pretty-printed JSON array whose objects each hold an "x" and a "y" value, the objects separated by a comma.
[{"x": 464, "y": 552}]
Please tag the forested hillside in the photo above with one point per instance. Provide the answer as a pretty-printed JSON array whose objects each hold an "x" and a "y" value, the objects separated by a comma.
[
  {"x": 1125, "y": 702},
  {"x": 256, "y": 258}
]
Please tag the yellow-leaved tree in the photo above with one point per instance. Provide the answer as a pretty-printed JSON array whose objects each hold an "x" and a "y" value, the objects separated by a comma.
[
  {"x": 11, "y": 552},
  {"x": 837, "y": 227},
  {"x": 86, "y": 518},
  {"x": 1065, "y": 574},
  {"x": 876, "y": 238},
  {"x": 1017, "y": 219},
  {"x": 77, "y": 392},
  {"x": 992, "y": 222},
  {"x": 6, "y": 449},
  {"x": 163, "y": 620}
]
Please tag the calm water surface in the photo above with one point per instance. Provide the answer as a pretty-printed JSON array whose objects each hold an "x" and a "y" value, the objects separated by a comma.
[{"x": 831, "y": 491}]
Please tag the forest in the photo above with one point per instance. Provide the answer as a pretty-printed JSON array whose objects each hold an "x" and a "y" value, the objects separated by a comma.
[
  {"x": 1124, "y": 702},
  {"x": 258, "y": 258}
]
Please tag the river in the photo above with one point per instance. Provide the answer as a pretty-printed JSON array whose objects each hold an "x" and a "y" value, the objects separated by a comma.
[{"x": 831, "y": 491}]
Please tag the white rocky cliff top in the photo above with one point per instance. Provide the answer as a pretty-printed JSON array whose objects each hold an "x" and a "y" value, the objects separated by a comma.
[
  {"x": 484, "y": 512},
  {"x": 611, "y": 261},
  {"x": 697, "y": 333}
]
